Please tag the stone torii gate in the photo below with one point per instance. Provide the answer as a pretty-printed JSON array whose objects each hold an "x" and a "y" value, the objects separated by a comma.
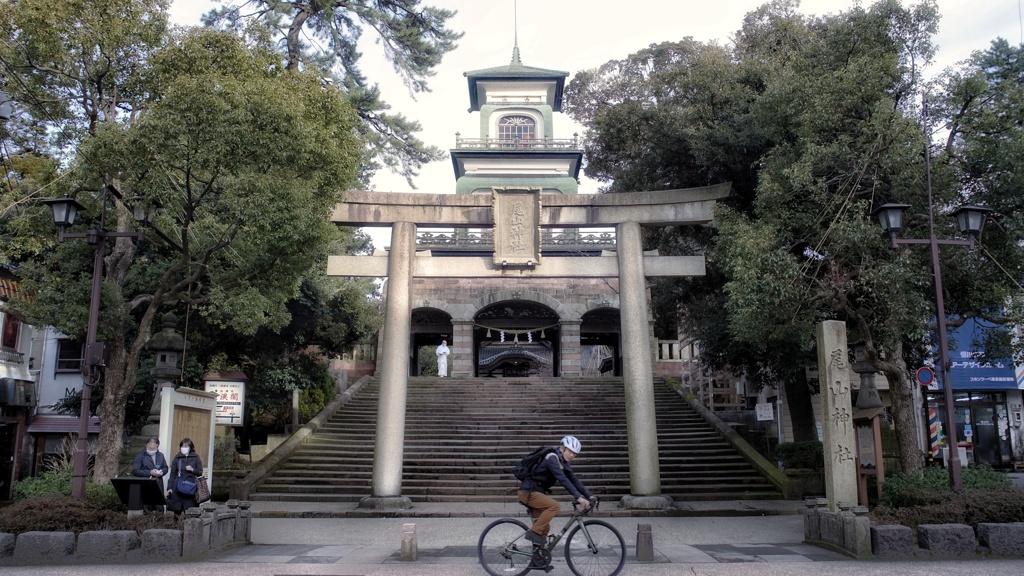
[{"x": 517, "y": 215}]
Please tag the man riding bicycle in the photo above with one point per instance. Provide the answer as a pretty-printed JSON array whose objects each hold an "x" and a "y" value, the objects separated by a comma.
[{"x": 534, "y": 490}]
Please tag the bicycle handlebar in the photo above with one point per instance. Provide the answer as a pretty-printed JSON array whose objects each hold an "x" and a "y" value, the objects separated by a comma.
[{"x": 595, "y": 503}]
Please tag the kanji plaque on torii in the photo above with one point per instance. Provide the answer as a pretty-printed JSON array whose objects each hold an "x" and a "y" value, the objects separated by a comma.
[{"x": 516, "y": 227}]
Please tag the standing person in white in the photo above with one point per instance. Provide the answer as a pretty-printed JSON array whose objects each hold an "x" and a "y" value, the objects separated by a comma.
[{"x": 442, "y": 358}]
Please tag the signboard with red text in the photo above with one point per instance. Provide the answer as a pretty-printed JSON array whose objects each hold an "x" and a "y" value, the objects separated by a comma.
[{"x": 230, "y": 401}]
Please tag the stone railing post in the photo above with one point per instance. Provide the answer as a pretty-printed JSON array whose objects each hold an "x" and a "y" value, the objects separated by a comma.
[
  {"x": 462, "y": 349},
  {"x": 570, "y": 352},
  {"x": 861, "y": 532},
  {"x": 810, "y": 519}
]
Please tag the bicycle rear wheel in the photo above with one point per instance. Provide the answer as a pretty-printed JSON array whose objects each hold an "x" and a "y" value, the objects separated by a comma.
[
  {"x": 604, "y": 558},
  {"x": 503, "y": 550}
]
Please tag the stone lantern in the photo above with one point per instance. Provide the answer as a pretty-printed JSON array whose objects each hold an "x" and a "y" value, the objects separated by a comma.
[
  {"x": 868, "y": 396},
  {"x": 867, "y": 427},
  {"x": 169, "y": 345}
]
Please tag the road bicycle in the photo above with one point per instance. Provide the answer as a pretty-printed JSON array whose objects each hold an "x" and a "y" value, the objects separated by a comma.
[{"x": 592, "y": 547}]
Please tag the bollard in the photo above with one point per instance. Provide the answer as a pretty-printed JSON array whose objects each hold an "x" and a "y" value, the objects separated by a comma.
[
  {"x": 409, "y": 542},
  {"x": 644, "y": 543}
]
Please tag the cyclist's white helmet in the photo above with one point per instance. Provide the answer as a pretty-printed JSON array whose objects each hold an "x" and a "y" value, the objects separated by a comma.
[{"x": 572, "y": 443}]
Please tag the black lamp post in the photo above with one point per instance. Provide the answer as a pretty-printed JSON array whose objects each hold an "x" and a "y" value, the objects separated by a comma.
[
  {"x": 65, "y": 210},
  {"x": 971, "y": 219}
]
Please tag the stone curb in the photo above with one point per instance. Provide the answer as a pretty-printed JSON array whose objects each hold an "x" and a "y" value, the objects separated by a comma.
[
  {"x": 211, "y": 528},
  {"x": 894, "y": 542}
]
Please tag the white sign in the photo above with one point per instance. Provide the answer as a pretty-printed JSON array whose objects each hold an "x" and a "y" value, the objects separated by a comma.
[
  {"x": 230, "y": 401},
  {"x": 765, "y": 412}
]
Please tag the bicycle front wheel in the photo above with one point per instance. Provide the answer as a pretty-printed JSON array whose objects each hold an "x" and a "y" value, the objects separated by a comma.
[
  {"x": 595, "y": 549},
  {"x": 503, "y": 550}
]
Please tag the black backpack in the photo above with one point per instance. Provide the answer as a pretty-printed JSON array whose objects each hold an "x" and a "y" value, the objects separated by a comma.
[{"x": 525, "y": 467}]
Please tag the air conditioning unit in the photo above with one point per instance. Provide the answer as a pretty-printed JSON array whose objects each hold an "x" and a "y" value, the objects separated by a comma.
[
  {"x": 24, "y": 393},
  {"x": 17, "y": 392}
]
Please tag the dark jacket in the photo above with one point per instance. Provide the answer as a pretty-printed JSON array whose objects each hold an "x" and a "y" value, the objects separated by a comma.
[
  {"x": 181, "y": 502},
  {"x": 553, "y": 468},
  {"x": 144, "y": 464}
]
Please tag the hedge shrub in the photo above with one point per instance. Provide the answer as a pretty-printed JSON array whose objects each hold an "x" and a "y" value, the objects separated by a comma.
[
  {"x": 925, "y": 498},
  {"x": 807, "y": 454}
]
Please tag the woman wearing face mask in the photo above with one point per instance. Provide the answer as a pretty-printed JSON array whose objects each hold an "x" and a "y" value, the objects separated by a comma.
[
  {"x": 150, "y": 463},
  {"x": 186, "y": 464}
]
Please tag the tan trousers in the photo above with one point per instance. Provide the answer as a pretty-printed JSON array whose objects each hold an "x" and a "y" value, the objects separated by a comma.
[{"x": 543, "y": 508}]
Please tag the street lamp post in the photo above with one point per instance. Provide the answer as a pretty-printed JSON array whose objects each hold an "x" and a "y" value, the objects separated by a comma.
[
  {"x": 65, "y": 210},
  {"x": 971, "y": 219}
]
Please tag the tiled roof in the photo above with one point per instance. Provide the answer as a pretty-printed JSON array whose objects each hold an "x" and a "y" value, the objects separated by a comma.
[
  {"x": 516, "y": 70},
  {"x": 58, "y": 424},
  {"x": 8, "y": 287}
]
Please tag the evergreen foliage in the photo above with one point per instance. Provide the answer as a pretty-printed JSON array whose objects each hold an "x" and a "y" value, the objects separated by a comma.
[
  {"x": 324, "y": 37},
  {"x": 242, "y": 158},
  {"x": 816, "y": 121}
]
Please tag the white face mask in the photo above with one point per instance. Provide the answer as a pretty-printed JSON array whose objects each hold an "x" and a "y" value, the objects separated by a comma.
[
  {"x": 151, "y": 452},
  {"x": 184, "y": 450}
]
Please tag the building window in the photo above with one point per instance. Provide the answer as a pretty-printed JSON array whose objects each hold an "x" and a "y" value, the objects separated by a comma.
[
  {"x": 516, "y": 128},
  {"x": 9, "y": 337},
  {"x": 69, "y": 356}
]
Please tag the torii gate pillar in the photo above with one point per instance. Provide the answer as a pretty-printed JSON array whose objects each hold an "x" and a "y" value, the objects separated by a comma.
[
  {"x": 641, "y": 427},
  {"x": 390, "y": 439}
]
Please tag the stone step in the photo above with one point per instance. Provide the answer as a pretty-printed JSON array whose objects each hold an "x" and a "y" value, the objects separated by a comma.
[
  {"x": 598, "y": 486},
  {"x": 510, "y": 498},
  {"x": 463, "y": 437},
  {"x": 501, "y": 441},
  {"x": 416, "y": 484},
  {"x": 353, "y": 460}
]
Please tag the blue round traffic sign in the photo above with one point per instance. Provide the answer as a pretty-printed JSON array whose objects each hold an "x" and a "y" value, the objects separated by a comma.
[{"x": 925, "y": 376}]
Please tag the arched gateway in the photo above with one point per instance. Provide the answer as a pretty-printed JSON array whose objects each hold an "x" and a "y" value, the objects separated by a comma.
[
  {"x": 520, "y": 271},
  {"x": 516, "y": 252}
]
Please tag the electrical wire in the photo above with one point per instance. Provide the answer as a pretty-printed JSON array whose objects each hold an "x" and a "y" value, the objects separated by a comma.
[{"x": 1000, "y": 266}]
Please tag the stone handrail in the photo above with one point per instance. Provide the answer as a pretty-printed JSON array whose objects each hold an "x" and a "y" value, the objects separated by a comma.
[
  {"x": 362, "y": 352},
  {"x": 240, "y": 488},
  {"x": 668, "y": 351}
]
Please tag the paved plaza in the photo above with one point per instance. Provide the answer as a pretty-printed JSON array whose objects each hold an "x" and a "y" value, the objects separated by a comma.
[
  {"x": 775, "y": 537},
  {"x": 733, "y": 538}
]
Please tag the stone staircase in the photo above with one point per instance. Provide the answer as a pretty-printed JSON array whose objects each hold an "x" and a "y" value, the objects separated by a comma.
[{"x": 464, "y": 436}]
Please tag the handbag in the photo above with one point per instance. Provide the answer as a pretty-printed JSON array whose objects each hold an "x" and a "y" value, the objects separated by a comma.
[
  {"x": 183, "y": 485},
  {"x": 202, "y": 490}
]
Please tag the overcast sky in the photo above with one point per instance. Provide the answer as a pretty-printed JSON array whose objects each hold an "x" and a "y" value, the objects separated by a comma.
[{"x": 574, "y": 35}]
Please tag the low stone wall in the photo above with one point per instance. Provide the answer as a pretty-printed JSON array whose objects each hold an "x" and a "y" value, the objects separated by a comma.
[
  {"x": 849, "y": 530},
  {"x": 948, "y": 540},
  {"x": 846, "y": 530},
  {"x": 209, "y": 528}
]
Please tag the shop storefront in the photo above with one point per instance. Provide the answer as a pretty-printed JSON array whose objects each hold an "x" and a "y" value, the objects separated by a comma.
[{"x": 987, "y": 406}]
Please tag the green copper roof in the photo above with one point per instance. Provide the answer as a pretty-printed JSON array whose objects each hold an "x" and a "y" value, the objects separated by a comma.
[{"x": 516, "y": 72}]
